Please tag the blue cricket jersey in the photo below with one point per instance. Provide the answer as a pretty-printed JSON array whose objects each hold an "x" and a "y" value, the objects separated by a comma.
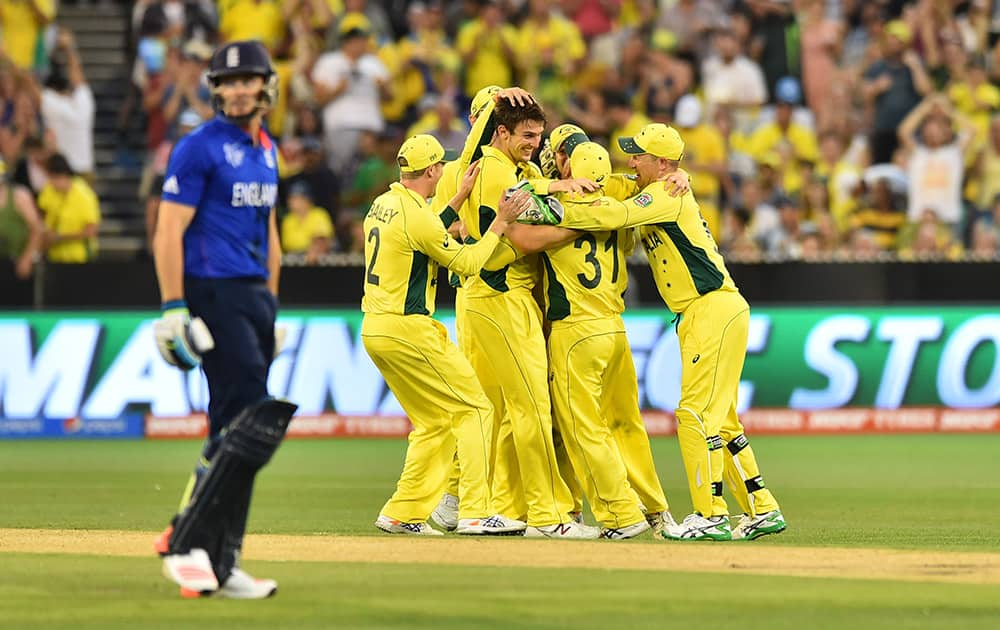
[{"x": 232, "y": 186}]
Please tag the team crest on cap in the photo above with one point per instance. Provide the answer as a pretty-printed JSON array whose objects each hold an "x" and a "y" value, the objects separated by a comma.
[
  {"x": 234, "y": 154},
  {"x": 643, "y": 200},
  {"x": 233, "y": 57}
]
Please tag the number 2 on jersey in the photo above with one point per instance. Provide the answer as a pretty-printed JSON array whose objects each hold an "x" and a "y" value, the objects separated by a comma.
[{"x": 372, "y": 277}]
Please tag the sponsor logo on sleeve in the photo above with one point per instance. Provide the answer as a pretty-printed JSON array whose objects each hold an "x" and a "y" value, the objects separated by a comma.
[{"x": 171, "y": 186}]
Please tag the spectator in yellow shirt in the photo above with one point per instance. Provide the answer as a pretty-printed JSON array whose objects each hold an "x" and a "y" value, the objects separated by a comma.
[
  {"x": 881, "y": 215},
  {"x": 977, "y": 98},
  {"x": 551, "y": 52},
  {"x": 704, "y": 158},
  {"x": 22, "y": 23},
  {"x": 253, "y": 19},
  {"x": 792, "y": 141},
  {"x": 307, "y": 228},
  {"x": 488, "y": 46},
  {"x": 429, "y": 63},
  {"x": 71, "y": 214}
]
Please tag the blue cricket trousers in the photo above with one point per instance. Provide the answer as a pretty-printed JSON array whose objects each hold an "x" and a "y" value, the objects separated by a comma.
[{"x": 240, "y": 314}]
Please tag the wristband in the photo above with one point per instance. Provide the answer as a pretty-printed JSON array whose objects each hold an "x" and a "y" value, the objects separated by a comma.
[
  {"x": 173, "y": 305},
  {"x": 448, "y": 216}
]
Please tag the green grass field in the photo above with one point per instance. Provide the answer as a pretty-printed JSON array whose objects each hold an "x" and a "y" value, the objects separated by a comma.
[{"x": 919, "y": 492}]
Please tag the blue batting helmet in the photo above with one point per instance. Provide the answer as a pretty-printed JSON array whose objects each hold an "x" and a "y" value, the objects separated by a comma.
[
  {"x": 235, "y": 58},
  {"x": 243, "y": 58}
]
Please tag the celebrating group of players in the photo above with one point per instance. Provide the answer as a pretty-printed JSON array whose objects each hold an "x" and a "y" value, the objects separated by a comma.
[
  {"x": 517, "y": 426},
  {"x": 532, "y": 412}
]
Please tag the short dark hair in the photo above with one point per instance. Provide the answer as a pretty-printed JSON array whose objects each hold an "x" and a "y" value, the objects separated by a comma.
[
  {"x": 510, "y": 116},
  {"x": 58, "y": 165}
]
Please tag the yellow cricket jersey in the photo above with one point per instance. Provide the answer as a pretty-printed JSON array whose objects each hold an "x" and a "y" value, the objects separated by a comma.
[
  {"x": 585, "y": 279},
  {"x": 404, "y": 244},
  {"x": 682, "y": 253},
  {"x": 497, "y": 173}
]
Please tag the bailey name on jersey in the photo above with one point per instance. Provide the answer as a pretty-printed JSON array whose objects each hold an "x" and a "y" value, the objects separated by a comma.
[
  {"x": 254, "y": 194},
  {"x": 383, "y": 214}
]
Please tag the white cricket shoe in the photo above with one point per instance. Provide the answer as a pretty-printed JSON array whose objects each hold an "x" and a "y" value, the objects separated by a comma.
[
  {"x": 445, "y": 515},
  {"x": 697, "y": 527},
  {"x": 753, "y": 527},
  {"x": 242, "y": 585},
  {"x": 192, "y": 570},
  {"x": 629, "y": 531},
  {"x": 495, "y": 525},
  {"x": 393, "y": 526},
  {"x": 571, "y": 529},
  {"x": 659, "y": 521}
]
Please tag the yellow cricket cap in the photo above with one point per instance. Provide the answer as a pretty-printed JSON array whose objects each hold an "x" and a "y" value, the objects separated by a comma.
[
  {"x": 354, "y": 21},
  {"x": 567, "y": 137},
  {"x": 421, "y": 151},
  {"x": 590, "y": 161},
  {"x": 900, "y": 30},
  {"x": 482, "y": 99},
  {"x": 655, "y": 139}
]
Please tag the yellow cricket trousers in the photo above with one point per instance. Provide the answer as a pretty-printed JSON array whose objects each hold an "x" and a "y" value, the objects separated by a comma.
[
  {"x": 504, "y": 332},
  {"x": 713, "y": 342},
  {"x": 440, "y": 393},
  {"x": 620, "y": 408},
  {"x": 580, "y": 357}
]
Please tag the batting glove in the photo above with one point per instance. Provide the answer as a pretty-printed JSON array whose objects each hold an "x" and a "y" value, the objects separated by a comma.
[
  {"x": 545, "y": 210},
  {"x": 181, "y": 340}
]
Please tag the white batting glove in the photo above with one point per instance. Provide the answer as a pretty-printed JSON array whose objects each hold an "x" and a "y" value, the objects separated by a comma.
[{"x": 181, "y": 340}]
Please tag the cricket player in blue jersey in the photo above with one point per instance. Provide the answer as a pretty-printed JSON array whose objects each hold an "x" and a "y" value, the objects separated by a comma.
[{"x": 217, "y": 261}]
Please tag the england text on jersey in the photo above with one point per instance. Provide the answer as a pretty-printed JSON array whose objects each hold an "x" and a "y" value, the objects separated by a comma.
[{"x": 254, "y": 194}]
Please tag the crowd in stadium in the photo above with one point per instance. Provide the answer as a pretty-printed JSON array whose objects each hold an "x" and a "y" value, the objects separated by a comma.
[{"x": 814, "y": 129}]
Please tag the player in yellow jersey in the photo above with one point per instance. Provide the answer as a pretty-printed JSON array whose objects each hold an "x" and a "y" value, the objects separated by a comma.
[
  {"x": 445, "y": 515},
  {"x": 692, "y": 279},
  {"x": 433, "y": 382},
  {"x": 584, "y": 306},
  {"x": 590, "y": 363},
  {"x": 503, "y": 322},
  {"x": 620, "y": 392}
]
